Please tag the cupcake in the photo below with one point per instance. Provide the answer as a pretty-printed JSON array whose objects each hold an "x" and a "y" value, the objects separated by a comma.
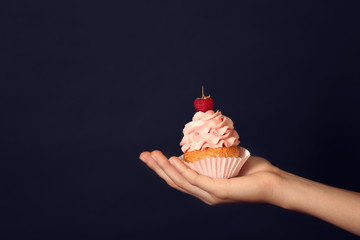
[{"x": 211, "y": 144}]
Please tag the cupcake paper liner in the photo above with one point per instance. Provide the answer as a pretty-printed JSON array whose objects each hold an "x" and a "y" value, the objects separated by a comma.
[{"x": 220, "y": 167}]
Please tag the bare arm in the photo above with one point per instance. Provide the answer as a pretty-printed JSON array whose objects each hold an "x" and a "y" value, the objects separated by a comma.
[
  {"x": 334, "y": 205},
  {"x": 260, "y": 181}
]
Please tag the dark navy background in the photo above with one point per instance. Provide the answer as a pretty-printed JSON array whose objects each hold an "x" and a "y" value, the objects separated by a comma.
[{"x": 87, "y": 86}]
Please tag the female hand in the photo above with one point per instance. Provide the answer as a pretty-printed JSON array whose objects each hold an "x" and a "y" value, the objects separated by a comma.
[
  {"x": 259, "y": 181},
  {"x": 254, "y": 183}
]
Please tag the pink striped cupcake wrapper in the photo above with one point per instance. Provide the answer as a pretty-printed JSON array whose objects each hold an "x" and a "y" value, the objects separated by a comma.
[{"x": 220, "y": 167}]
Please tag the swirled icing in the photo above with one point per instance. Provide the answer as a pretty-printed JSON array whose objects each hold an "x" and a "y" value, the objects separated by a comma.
[{"x": 209, "y": 130}]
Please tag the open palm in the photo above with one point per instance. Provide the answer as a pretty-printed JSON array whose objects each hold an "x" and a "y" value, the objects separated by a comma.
[{"x": 253, "y": 184}]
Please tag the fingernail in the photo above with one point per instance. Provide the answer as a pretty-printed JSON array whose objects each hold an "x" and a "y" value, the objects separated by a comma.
[{"x": 172, "y": 161}]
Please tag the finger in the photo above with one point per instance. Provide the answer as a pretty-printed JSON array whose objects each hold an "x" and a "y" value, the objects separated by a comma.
[
  {"x": 178, "y": 179},
  {"x": 217, "y": 187},
  {"x": 147, "y": 158}
]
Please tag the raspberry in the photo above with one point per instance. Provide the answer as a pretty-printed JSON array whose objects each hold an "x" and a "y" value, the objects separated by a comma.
[{"x": 204, "y": 103}]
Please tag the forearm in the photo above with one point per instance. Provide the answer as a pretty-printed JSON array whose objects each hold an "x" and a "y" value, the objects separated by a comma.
[{"x": 337, "y": 206}]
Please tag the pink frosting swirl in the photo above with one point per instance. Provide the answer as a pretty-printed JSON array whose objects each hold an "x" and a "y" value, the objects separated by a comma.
[{"x": 209, "y": 130}]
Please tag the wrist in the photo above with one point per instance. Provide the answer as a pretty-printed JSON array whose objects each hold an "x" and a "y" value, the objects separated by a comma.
[
  {"x": 290, "y": 191},
  {"x": 278, "y": 192}
]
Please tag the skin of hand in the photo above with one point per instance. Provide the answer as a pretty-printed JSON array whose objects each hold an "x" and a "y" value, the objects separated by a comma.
[
  {"x": 254, "y": 183},
  {"x": 260, "y": 181}
]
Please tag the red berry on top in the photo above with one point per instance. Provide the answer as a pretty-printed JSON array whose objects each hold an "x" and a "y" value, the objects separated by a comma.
[{"x": 204, "y": 103}]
